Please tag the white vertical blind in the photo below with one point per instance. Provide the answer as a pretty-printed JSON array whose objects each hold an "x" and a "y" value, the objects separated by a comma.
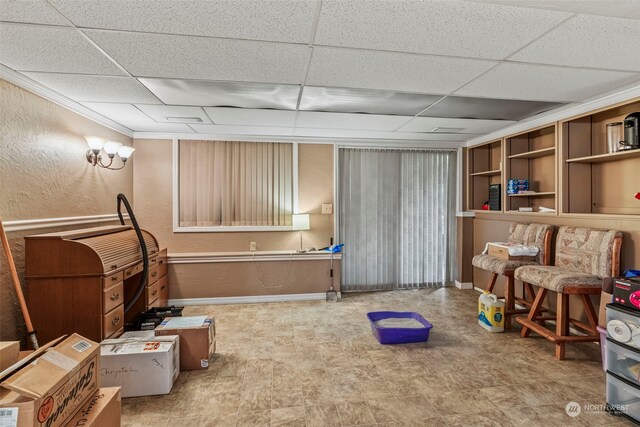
[
  {"x": 235, "y": 183},
  {"x": 397, "y": 218}
]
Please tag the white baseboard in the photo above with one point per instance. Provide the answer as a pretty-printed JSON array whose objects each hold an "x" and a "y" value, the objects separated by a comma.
[
  {"x": 320, "y": 296},
  {"x": 464, "y": 285}
]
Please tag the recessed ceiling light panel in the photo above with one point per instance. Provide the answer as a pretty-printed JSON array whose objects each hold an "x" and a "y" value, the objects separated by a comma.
[
  {"x": 224, "y": 94},
  {"x": 348, "y": 100}
]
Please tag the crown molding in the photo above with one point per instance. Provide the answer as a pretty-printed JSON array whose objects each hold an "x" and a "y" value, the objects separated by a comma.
[
  {"x": 557, "y": 115},
  {"x": 39, "y": 89},
  {"x": 412, "y": 143}
]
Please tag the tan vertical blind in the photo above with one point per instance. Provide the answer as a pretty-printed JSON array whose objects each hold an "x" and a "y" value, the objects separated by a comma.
[{"x": 235, "y": 183}]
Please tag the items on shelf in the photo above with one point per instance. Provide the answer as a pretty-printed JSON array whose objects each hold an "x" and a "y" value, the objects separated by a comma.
[
  {"x": 631, "y": 132},
  {"x": 517, "y": 186}
]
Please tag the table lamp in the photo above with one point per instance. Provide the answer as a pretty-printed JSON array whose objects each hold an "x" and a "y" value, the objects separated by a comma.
[{"x": 300, "y": 222}]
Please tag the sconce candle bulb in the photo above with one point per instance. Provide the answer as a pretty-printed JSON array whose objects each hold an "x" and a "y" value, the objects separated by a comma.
[{"x": 96, "y": 144}]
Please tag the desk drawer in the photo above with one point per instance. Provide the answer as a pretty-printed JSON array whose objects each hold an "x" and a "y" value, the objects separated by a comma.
[
  {"x": 155, "y": 303},
  {"x": 109, "y": 281},
  {"x": 112, "y": 297},
  {"x": 116, "y": 334},
  {"x": 113, "y": 320},
  {"x": 132, "y": 271},
  {"x": 154, "y": 274},
  {"x": 164, "y": 291},
  {"x": 153, "y": 291}
]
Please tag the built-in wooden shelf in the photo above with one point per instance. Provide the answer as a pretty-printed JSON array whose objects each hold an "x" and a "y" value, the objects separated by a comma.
[
  {"x": 534, "y": 154},
  {"x": 487, "y": 173},
  {"x": 608, "y": 157},
  {"x": 536, "y": 194}
]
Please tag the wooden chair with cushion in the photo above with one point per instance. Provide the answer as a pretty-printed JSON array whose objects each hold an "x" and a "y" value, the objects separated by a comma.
[
  {"x": 584, "y": 256},
  {"x": 538, "y": 235}
]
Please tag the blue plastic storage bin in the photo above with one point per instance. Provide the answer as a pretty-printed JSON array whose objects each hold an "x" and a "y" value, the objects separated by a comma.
[{"x": 398, "y": 335}]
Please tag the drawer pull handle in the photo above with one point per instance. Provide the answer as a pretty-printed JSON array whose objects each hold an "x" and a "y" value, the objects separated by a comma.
[
  {"x": 115, "y": 320},
  {"x": 153, "y": 261},
  {"x": 114, "y": 266},
  {"x": 115, "y": 296},
  {"x": 114, "y": 279},
  {"x": 129, "y": 273},
  {"x": 154, "y": 274},
  {"x": 155, "y": 291},
  {"x": 161, "y": 261},
  {"x": 162, "y": 287}
]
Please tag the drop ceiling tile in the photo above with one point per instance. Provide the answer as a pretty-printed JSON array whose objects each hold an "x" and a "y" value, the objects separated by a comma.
[
  {"x": 96, "y": 88},
  {"x": 283, "y": 20},
  {"x": 453, "y": 28},
  {"x": 428, "y": 124},
  {"x": 251, "y": 117},
  {"x": 185, "y": 57},
  {"x": 348, "y": 100},
  {"x": 243, "y": 130},
  {"x": 545, "y": 83},
  {"x": 588, "y": 41},
  {"x": 391, "y": 71},
  {"x": 30, "y": 11},
  {"x": 174, "y": 113},
  {"x": 372, "y": 122},
  {"x": 53, "y": 49},
  {"x": 119, "y": 112},
  {"x": 618, "y": 8},
  {"x": 487, "y": 108},
  {"x": 224, "y": 94}
]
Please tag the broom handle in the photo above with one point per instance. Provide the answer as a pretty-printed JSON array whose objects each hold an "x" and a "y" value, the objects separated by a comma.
[{"x": 16, "y": 284}]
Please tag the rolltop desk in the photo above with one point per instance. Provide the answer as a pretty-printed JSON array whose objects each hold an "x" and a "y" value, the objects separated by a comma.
[{"x": 80, "y": 280}]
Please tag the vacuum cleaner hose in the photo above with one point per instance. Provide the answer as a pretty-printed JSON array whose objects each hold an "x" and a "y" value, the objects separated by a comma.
[{"x": 143, "y": 247}]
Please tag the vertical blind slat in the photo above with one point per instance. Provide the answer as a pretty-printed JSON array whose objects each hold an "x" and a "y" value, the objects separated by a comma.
[{"x": 233, "y": 183}]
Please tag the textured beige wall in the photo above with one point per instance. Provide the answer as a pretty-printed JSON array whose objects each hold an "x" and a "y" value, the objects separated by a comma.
[
  {"x": 153, "y": 190},
  {"x": 43, "y": 174}
]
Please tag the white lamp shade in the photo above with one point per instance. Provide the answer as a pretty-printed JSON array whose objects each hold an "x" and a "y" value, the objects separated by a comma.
[
  {"x": 112, "y": 147},
  {"x": 125, "y": 152},
  {"x": 300, "y": 221},
  {"x": 95, "y": 142}
]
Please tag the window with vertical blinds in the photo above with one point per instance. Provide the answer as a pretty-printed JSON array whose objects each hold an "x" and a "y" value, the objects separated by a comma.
[{"x": 235, "y": 183}]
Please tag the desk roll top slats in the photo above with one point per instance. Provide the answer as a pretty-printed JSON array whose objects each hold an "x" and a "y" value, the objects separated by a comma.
[{"x": 80, "y": 280}]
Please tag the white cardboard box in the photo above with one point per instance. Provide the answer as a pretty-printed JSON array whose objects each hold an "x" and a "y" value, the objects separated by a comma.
[{"x": 140, "y": 366}]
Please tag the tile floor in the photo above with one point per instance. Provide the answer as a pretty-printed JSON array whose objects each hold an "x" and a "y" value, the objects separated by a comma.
[{"x": 317, "y": 364}]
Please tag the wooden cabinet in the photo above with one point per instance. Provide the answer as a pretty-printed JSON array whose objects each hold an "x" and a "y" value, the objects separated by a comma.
[
  {"x": 595, "y": 181},
  {"x": 80, "y": 281},
  {"x": 485, "y": 169},
  {"x": 532, "y": 156}
]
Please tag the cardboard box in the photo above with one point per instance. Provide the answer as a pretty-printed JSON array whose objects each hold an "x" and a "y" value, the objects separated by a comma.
[
  {"x": 47, "y": 387},
  {"x": 100, "y": 410},
  {"x": 9, "y": 353},
  {"x": 605, "y": 298},
  {"x": 501, "y": 250},
  {"x": 197, "y": 339},
  {"x": 141, "y": 367}
]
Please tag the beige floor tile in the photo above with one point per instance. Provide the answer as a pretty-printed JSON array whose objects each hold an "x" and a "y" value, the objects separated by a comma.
[
  {"x": 322, "y": 415},
  {"x": 355, "y": 413},
  {"x": 261, "y": 418},
  {"x": 288, "y": 417},
  {"x": 482, "y": 419},
  {"x": 323, "y": 357}
]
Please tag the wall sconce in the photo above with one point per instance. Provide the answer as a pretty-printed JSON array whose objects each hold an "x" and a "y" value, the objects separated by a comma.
[
  {"x": 96, "y": 144},
  {"x": 300, "y": 222}
]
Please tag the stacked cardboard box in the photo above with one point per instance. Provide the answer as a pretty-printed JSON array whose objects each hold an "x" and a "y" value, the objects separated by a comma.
[{"x": 197, "y": 339}]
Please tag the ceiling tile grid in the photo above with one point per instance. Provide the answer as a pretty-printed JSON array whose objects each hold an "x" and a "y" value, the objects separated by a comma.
[
  {"x": 392, "y": 70},
  {"x": 282, "y": 20},
  {"x": 52, "y": 49},
  {"x": 32, "y": 11},
  {"x": 419, "y": 70},
  {"x": 95, "y": 88},
  {"x": 588, "y": 41},
  {"x": 186, "y": 57},
  {"x": 545, "y": 83},
  {"x": 455, "y": 28}
]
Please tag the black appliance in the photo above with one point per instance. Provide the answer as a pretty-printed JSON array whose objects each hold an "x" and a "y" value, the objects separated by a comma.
[{"x": 631, "y": 132}]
